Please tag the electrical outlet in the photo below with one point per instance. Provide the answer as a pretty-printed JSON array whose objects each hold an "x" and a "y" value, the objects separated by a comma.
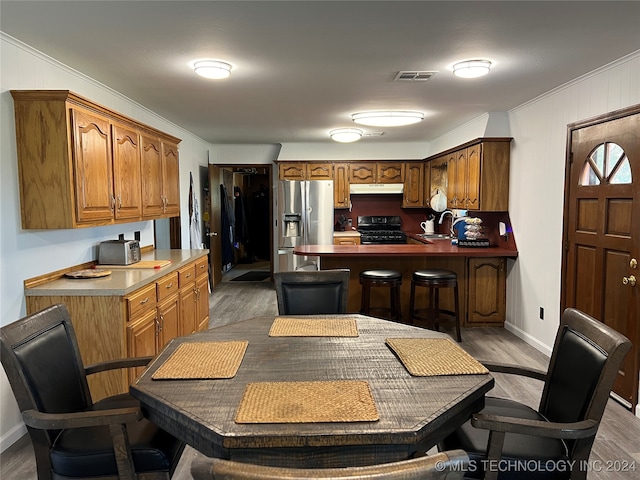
[{"x": 541, "y": 313}]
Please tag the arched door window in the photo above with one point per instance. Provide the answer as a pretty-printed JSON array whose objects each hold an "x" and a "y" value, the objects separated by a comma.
[{"x": 607, "y": 163}]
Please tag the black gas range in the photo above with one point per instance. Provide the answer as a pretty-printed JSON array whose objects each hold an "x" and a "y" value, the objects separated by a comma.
[{"x": 381, "y": 230}]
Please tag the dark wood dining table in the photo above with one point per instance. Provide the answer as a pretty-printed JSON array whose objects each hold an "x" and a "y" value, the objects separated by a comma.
[{"x": 414, "y": 412}]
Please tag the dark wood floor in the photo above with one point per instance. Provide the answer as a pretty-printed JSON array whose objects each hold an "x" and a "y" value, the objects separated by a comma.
[{"x": 617, "y": 443}]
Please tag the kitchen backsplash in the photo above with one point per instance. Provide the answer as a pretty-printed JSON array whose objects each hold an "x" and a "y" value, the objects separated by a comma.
[
  {"x": 411, "y": 217},
  {"x": 389, "y": 204}
]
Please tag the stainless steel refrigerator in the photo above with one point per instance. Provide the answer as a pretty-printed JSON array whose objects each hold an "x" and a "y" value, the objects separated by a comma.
[{"x": 305, "y": 217}]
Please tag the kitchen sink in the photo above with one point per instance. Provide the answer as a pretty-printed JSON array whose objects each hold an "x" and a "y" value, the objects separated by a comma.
[{"x": 434, "y": 236}]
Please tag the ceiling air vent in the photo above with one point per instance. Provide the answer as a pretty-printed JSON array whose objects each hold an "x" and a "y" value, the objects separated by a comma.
[{"x": 413, "y": 76}]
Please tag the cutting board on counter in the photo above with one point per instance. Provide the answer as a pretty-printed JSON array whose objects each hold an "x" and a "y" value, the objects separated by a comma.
[{"x": 141, "y": 264}]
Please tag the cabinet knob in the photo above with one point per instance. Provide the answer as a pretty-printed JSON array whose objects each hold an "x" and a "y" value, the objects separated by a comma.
[{"x": 630, "y": 280}]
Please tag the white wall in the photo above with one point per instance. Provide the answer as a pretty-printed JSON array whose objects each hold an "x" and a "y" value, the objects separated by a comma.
[{"x": 26, "y": 254}]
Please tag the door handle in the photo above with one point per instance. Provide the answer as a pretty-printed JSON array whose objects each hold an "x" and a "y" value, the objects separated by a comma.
[
  {"x": 213, "y": 234},
  {"x": 630, "y": 280}
]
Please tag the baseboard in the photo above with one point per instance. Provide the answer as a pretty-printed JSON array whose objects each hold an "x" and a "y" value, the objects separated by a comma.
[
  {"x": 535, "y": 343},
  {"x": 12, "y": 436}
]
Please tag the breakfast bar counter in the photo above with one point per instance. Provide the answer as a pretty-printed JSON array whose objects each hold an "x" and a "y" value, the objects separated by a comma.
[
  {"x": 481, "y": 272},
  {"x": 436, "y": 248}
]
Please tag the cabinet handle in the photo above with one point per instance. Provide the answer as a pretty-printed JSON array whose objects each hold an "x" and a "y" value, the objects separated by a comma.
[
  {"x": 112, "y": 205},
  {"x": 170, "y": 285},
  {"x": 158, "y": 327},
  {"x": 142, "y": 302},
  {"x": 188, "y": 275},
  {"x": 119, "y": 202},
  {"x": 161, "y": 321},
  {"x": 196, "y": 292}
]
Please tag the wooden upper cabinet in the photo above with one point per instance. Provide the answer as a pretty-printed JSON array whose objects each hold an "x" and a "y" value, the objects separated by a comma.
[
  {"x": 438, "y": 168},
  {"x": 320, "y": 171},
  {"x": 362, "y": 172},
  {"x": 341, "y": 196},
  {"x": 477, "y": 175},
  {"x": 160, "y": 178},
  {"x": 80, "y": 164},
  {"x": 152, "y": 196},
  {"x": 472, "y": 173},
  {"x": 392, "y": 172},
  {"x": 170, "y": 179},
  {"x": 292, "y": 171},
  {"x": 92, "y": 165},
  {"x": 414, "y": 187},
  {"x": 305, "y": 171},
  {"x": 127, "y": 173}
]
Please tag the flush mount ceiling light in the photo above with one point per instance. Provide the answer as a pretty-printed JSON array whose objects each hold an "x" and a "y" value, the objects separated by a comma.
[
  {"x": 471, "y": 68},
  {"x": 214, "y": 69},
  {"x": 387, "y": 118},
  {"x": 345, "y": 135}
]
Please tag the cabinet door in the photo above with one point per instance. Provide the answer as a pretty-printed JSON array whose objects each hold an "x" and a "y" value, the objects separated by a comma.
[
  {"x": 362, "y": 172},
  {"x": 426, "y": 184},
  {"x": 452, "y": 187},
  {"x": 170, "y": 179},
  {"x": 487, "y": 288},
  {"x": 320, "y": 171},
  {"x": 168, "y": 320},
  {"x": 127, "y": 182},
  {"x": 141, "y": 340},
  {"x": 341, "y": 186},
  {"x": 439, "y": 176},
  {"x": 413, "y": 195},
  {"x": 152, "y": 196},
  {"x": 472, "y": 197},
  {"x": 292, "y": 171},
  {"x": 92, "y": 165},
  {"x": 390, "y": 172},
  {"x": 346, "y": 240},
  {"x": 202, "y": 302},
  {"x": 188, "y": 322}
]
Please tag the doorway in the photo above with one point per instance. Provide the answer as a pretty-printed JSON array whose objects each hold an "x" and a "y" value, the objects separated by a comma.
[
  {"x": 240, "y": 218},
  {"x": 602, "y": 231}
]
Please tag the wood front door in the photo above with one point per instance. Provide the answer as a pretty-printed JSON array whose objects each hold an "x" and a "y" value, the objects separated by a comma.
[{"x": 602, "y": 230}]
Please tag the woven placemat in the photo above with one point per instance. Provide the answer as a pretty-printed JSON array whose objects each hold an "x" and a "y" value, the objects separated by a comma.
[
  {"x": 203, "y": 360},
  {"x": 313, "y": 327},
  {"x": 426, "y": 357},
  {"x": 307, "y": 402}
]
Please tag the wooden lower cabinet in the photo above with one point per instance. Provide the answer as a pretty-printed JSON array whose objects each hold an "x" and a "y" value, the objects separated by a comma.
[
  {"x": 346, "y": 239},
  {"x": 487, "y": 291},
  {"x": 202, "y": 302},
  {"x": 135, "y": 325},
  {"x": 482, "y": 284},
  {"x": 142, "y": 340}
]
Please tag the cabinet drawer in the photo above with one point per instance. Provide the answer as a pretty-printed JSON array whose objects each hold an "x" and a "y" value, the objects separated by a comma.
[
  {"x": 141, "y": 301},
  {"x": 202, "y": 266},
  {"x": 187, "y": 275},
  {"x": 167, "y": 286}
]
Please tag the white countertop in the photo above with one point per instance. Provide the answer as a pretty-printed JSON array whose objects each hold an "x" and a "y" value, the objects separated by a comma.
[{"x": 122, "y": 281}]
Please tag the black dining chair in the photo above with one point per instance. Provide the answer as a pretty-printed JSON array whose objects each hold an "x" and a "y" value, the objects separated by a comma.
[
  {"x": 554, "y": 441},
  {"x": 72, "y": 436},
  {"x": 312, "y": 292},
  {"x": 440, "y": 466}
]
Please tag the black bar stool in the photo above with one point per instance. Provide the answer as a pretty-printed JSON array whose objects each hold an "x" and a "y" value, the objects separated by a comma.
[
  {"x": 434, "y": 280},
  {"x": 391, "y": 279}
]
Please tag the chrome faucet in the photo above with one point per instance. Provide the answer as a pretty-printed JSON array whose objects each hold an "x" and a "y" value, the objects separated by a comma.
[
  {"x": 443, "y": 214},
  {"x": 454, "y": 220}
]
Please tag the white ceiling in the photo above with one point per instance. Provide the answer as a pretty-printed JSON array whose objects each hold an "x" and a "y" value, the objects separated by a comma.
[{"x": 302, "y": 67}]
